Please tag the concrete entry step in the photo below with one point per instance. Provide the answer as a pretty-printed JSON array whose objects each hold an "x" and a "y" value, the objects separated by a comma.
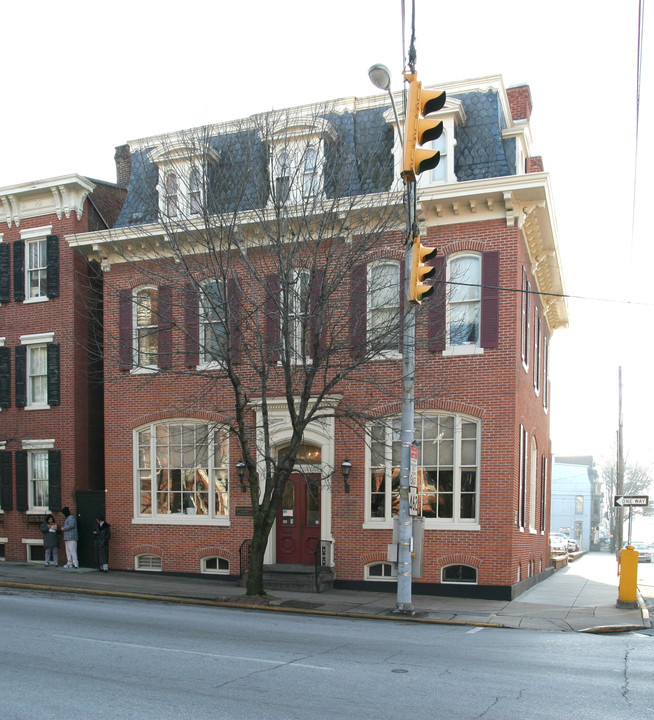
[{"x": 297, "y": 578}]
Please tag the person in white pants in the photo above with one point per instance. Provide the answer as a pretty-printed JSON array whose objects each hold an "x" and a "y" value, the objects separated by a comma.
[{"x": 70, "y": 538}]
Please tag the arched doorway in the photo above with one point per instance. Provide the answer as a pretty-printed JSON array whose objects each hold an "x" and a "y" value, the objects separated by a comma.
[{"x": 298, "y": 520}]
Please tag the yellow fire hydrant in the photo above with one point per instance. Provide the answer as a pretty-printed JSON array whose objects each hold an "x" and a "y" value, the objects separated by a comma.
[{"x": 628, "y": 592}]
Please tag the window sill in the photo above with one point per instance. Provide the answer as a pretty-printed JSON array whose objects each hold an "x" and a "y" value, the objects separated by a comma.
[
  {"x": 429, "y": 525},
  {"x": 455, "y": 350},
  {"x": 144, "y": 370},
  {"x": 179, "y": 519},
  {"x": 37, "y": 407},
  {"x": 29, "y": 301}
]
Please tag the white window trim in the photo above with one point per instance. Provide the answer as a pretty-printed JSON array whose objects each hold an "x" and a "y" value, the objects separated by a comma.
[
  {"x": 208, "y": 364},
  {"x": 533, "y": 480},
  {"x": 384, "y": 354},
  {"x": 137, "y": 368},
  {"x": 35, "y": 446},
  {"x": 375, "y": 578},
  {"x": 218, "y": 571},
  {"x": 27, "y": 235},
  {"x": 178, "y": 518},
  {"x": 430, "y": 523},
  {"x": 40, "y": 339},
  {"x": 466, "y": 348}
]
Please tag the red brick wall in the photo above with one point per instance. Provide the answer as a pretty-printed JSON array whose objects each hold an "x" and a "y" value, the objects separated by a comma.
[
  {"x": 492, "y": 386},
  {"x": 69, "y": 423}
]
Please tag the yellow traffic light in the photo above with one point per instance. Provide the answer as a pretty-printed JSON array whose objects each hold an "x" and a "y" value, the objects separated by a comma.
[
  {"x": 418, "y": 289},
  {"x": 418, "y": 130}
]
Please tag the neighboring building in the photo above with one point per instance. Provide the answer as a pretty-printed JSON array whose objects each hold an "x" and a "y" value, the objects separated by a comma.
[
  {"x": 482, "y": 386},
  {"x": 51, "y": 419},
  {"x": 575, "y": 504}
]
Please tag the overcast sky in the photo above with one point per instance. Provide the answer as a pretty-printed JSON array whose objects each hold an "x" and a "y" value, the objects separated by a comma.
[{"x": 80, "y": 78}]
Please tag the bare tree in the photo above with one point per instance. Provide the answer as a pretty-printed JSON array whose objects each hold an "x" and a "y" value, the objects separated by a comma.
[
  {"x": 637, "y": 481},
  {"x": 281, "y": 242}
]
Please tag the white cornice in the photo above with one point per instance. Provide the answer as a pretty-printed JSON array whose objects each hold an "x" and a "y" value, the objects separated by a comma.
[{"x": 62, "y": 196}]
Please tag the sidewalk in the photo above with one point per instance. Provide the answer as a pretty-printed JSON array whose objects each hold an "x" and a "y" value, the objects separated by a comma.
[{"x": 580, "y": 597}]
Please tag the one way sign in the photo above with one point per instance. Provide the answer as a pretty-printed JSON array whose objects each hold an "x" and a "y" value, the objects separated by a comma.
[{"x": 624, "y": 500}]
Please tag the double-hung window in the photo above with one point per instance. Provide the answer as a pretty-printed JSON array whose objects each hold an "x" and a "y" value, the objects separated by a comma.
[
  {"x": 38, "y": 478},
  {"x": 448, "y": 471},
  {"x": 213, "y": 319},
  {"x": 146, "y": 326},
  {"x": 181, "y": 472},
  {"x": 172, "y": 195},
  {"x": 464, "y": 306},
  {"x": 195, "y": 192},
  {"x": 299, "y": 316},
  {"x": 384, "y": 321},
  {"x": 36, "y": 268},
  {"x": 37, "y": 375}
]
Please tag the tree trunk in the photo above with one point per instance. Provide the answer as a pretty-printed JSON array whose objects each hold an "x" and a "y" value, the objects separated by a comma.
[{"x": 260, "y": 534}]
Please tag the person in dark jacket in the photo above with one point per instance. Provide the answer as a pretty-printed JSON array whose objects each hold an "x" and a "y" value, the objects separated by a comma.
[
  {"x": 50, "y": 531},
  {"x": 102, "y": 534}
]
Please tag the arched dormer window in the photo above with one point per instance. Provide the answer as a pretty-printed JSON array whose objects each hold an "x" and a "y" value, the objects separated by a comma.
[{"x": 297, "y": 158}]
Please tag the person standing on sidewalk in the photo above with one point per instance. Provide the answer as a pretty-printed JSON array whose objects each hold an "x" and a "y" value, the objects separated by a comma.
[
  {"x": 102, "y": 534},
  {"x": 50, "y": 531},
  {"x": 70, "y": 538}
]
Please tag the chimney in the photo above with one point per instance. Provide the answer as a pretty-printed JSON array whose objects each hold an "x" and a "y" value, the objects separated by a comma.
[
  {"x": 123, "y": 159},
  {"x": 520, "y": 102},
  {"x": 534, "y": 164}
]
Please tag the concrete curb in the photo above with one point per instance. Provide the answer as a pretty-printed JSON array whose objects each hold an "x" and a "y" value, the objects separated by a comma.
[{"x": 246, "y": 606}]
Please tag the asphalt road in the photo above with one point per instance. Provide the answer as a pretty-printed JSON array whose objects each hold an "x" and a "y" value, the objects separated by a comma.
[{"x": 70, "y": 657}]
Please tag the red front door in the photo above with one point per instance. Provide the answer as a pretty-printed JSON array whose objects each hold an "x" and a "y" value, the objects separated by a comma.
[{"x": 298, "y": 521}]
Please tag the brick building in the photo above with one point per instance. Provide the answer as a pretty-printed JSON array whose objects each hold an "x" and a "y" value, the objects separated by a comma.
[
  {"x": 204, "y": 281},
  {"x": 51, "y": 419}
]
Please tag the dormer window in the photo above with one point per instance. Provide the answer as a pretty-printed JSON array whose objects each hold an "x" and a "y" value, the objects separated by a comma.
[
  {"x": 182, "y": 176},
  {"x": 452, "y": 115},
  {"x": 297, "y": 159}
]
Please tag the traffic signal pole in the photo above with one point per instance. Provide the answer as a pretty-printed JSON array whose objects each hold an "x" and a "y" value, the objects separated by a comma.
[
  {"x": 405, "y": 531},
  {"x": 418, "y": 130}
]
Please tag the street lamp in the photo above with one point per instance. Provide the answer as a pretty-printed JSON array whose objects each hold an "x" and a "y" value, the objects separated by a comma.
[
  {"x": 346, "y": 466},
  {"x": 240, "y": 469},
  {"x": 380, "y": 77}
]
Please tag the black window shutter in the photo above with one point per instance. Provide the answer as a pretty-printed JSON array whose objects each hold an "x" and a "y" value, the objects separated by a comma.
[
  {"x": 4, "y": 273},
  {"x": 273, "y": 318},
  {"x": 437, "y": 306},
  {"x": 165, "y": 327},
  {"x": 19, "y": 270},
  {"x": 489, "y": 336},
  {"x": 5, "y": 377},
  {"x": 54, "y": 374},
  {"x": 21, "y": 480},
  {"x": 52, "y": 283},
  {"x": 6, "y": 499},
  {"x": 125, "y": 329},
  {"x": 20, "y": 383},
  {"x": 358, "y": 310},
  {"x": 54, "y": 480},
  {"x": 192, "y": 323}
]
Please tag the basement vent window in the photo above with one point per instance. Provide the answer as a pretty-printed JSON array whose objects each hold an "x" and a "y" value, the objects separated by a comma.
[
  {"x": 148, "y": 562},
  {"x": 36, "y": 552},
  {"x": 215, "y": 565},
  {"x": 379, "y": 571},
  {"x": 459, "y": 574}
]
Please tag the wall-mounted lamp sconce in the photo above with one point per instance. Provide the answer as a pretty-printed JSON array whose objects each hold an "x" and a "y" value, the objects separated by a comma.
[
  {"x": 240, "y": 469},
  {"x": 346, "y": 466}
]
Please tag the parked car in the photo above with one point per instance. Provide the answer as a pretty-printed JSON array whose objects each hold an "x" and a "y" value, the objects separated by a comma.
[
  {"x": 644, "y": 552},
  {"x": 558, "y": 543},
  {"x": 573, "y": 545}
]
